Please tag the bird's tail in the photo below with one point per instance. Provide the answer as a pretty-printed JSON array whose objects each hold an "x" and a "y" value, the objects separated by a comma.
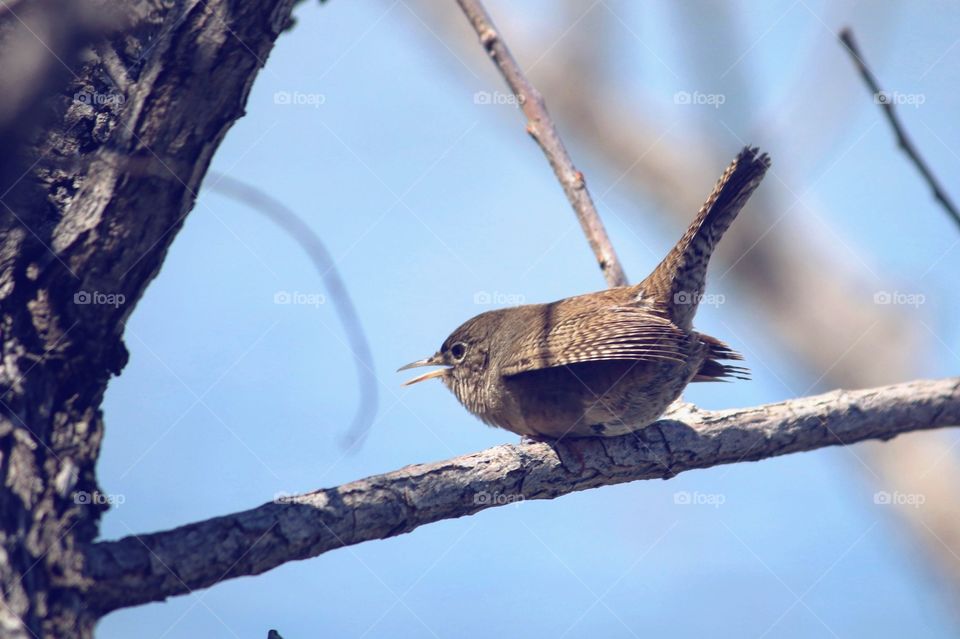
[
  {"x": 712, "y": 370},
  {"x": 678, "y": 280}
]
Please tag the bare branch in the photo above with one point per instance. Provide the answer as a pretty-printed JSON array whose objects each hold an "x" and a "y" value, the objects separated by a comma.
[
  {"x": 846, "y": 37},
  {"x": 542, "y": 129},
  {"x": 140, "y": 569}
]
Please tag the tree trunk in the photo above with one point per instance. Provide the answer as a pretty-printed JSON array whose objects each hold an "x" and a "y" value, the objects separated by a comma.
[{"x": 92, "y": 195}]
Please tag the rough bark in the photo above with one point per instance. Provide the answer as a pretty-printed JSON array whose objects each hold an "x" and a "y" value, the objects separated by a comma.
[
  {"x": 107, "y": 178},
  {"x": 145, "y": 568}
]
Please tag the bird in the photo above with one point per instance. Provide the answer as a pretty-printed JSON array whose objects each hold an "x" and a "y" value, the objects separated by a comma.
[{"x": 606, "y": 363}]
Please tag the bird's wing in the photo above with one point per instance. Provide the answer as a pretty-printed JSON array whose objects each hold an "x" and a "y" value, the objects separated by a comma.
[{"x": 596, "y": 334}]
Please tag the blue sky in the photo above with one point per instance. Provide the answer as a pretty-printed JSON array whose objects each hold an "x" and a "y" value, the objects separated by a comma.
[{"x": 429, "y": 201}]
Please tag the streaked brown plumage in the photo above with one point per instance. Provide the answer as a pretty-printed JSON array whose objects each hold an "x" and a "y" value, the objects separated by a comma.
[{"x": 605, "y": 363}]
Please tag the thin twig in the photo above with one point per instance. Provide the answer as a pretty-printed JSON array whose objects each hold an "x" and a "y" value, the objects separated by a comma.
[
  {"x": 542, "y": 129},
  {"x": 311, "y": 243},
  {"x": 846, "y": 37},
  {"x": 144, "y": 568}
]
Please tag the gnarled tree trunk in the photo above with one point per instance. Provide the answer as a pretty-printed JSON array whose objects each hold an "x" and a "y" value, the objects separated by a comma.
[{"x": 108, "y": 122}]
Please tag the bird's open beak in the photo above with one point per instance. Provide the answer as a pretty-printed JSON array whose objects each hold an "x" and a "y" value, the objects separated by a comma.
[{"x": 430, "y": 361}]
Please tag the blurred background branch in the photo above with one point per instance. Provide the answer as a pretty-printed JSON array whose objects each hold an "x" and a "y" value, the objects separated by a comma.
[
  {"x": 886, "y": 102},
  {"x": 301, "y": 232},
  {"x": 40, "y": 43}
]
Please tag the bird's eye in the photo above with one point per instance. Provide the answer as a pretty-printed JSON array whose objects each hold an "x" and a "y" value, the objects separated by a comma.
[{"x": 458, "y": 350}]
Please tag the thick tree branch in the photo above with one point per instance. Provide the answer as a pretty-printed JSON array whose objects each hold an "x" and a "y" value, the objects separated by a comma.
[
  {"x": 141, "y": 569},
  {"x": 542, "y": 129}
]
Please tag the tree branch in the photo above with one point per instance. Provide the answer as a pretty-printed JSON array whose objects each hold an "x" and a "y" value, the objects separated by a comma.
[
  {"x": 141, "y": 569},
  {"x": 884, "y": 100},
  {"x": 542, "y": 129}
]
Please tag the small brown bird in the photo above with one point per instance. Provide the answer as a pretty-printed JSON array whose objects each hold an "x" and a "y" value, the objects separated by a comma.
[{"x": 605, "y": 363}]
